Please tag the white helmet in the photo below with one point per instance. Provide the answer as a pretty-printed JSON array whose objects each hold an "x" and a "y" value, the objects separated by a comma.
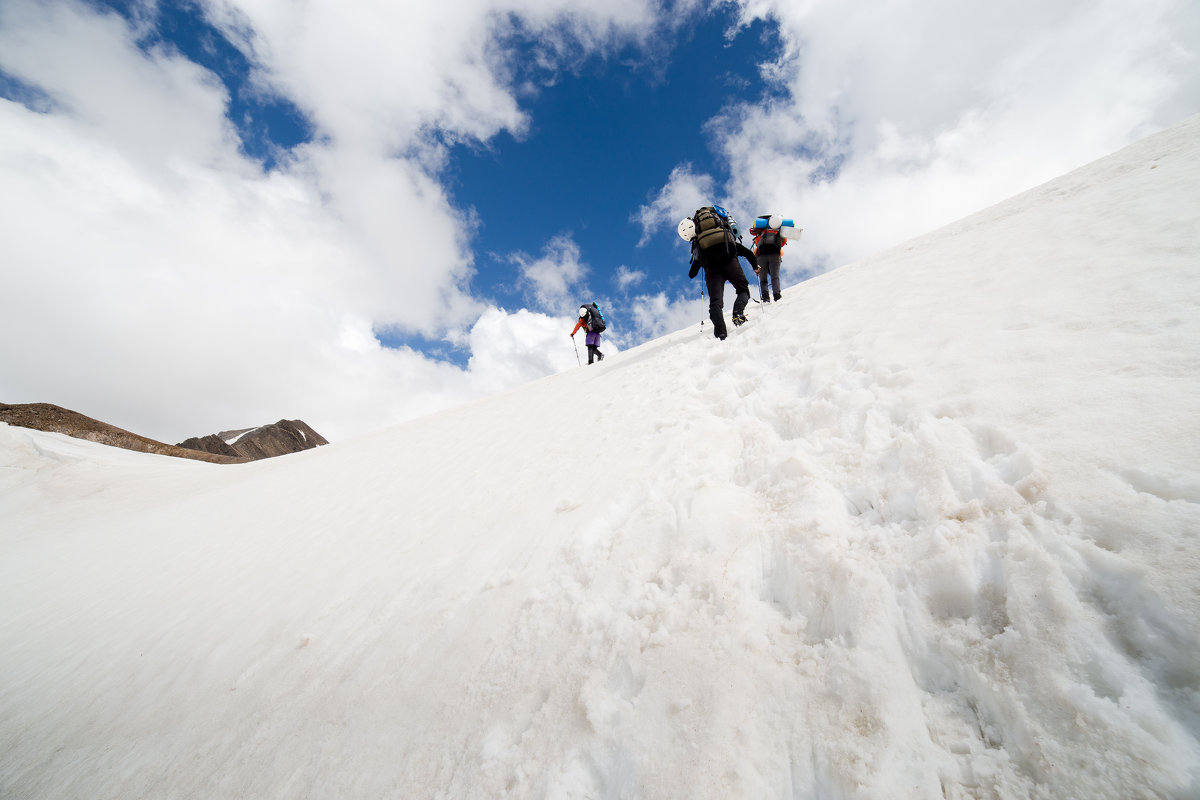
[
  {"x": 582, "y": 311},
  {"x": 687, "y": 229}
]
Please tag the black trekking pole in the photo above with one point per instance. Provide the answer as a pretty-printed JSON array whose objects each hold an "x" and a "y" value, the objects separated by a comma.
[{"x": 702, "y": 318}]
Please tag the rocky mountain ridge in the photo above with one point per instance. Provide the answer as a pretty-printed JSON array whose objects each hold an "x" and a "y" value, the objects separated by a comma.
[
  {"x": 227, "y": 447},
  {"x": 267, "y": 441},
  {"x": 56, "y": 419}
]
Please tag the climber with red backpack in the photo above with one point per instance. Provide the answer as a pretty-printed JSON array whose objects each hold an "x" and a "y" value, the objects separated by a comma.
[{"x": 769, "y": 240}]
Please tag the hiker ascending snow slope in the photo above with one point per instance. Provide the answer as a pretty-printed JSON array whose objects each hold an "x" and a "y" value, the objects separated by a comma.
[
  {"x": 592, "y": 321},
  {"x": 769, "y": 241},
  {"x": 715, "y": 249}
]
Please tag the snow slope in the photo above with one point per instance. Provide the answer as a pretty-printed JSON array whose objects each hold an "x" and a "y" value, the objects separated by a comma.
[{"x": 927, "y": 528}]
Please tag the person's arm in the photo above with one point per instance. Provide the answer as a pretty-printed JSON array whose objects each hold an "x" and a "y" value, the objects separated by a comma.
[
  {"x": 580, "y": 324},
  {"x": 695, "y": 270},
  {"x": 747, "y": 254}
]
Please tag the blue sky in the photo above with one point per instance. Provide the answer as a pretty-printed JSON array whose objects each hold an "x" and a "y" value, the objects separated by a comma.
[
  {"x": 225, "y": 212},
  {"x": 604, "y": 139}
]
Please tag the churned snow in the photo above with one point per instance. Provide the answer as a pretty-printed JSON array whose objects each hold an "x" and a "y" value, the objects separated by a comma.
[{"x": 927, "y": 528}]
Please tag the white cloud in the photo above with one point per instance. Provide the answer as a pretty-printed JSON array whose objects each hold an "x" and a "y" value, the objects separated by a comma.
[
  {"x": 520, "y": 346},
  {"x": 628, "y": 277},
  {"x": 377, "y": 75},
  {"x": 555, "y": 276},
  {"x": 372, "y": 75},
  {"x": 683, "y": 193},
  {"x": 87, "y": 62},
  {"x": 169, "y": 303},
  {"x": 655, "y": 315}
]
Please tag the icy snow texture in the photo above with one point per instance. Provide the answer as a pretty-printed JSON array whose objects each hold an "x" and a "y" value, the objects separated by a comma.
[{"x": 925, "y": 529}]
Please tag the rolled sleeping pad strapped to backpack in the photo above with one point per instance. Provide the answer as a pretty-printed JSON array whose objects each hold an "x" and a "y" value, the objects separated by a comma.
[{"x": 763, "y": 222}]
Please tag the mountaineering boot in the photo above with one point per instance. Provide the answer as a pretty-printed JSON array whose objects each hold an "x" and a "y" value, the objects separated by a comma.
[{"x": 739, "y": 319}]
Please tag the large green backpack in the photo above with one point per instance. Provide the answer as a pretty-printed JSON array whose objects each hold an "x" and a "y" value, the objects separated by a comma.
[{"x": 713, "y": 231}]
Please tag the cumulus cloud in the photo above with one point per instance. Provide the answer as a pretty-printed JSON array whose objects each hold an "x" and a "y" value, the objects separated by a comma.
[
  {"x": 67, "y": 52},
  {"x": 372, "y": 75},
  {"x": 683, "y": 193},
  {"x": 553, "y": 277},
  {"x": 655, "y": 315},
  {"x": 524, "y": 344},
  {"x": 628, "y": 278}
]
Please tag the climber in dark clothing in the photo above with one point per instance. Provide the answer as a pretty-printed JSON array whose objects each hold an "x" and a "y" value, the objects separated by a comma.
[{"x": 724, "y": 267}]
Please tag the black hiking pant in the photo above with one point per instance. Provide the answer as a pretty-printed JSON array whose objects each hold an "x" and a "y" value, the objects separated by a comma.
[
  {"x": 768, "y": 267},
  {"x": 594, "y": 353},
  {"x": 714, "y": 280}
]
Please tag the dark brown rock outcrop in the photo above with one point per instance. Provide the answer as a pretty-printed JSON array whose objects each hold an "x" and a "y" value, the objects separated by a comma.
[
  {"x": 278, "y": 439},
  {"x": 212, "y": 443}
]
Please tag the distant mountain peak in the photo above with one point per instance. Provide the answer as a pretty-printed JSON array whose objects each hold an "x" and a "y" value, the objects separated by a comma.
[{"x": 266, "y": 441}]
